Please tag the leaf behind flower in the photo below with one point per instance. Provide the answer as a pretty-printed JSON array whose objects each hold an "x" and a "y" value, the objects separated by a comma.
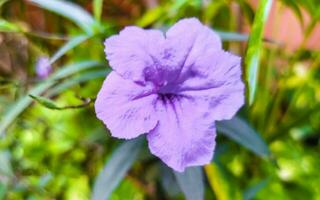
[
  {"x": 241, "y": 132},
  {"x": 191, "y": 183},
  {"x": 116, "y": 168}
]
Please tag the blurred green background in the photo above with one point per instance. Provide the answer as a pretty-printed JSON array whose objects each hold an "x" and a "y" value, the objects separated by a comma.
[{"x": 53, "y": 146}]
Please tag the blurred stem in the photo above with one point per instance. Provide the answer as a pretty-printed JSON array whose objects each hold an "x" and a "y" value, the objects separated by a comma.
[
  {"x": 266, "y": 96},
  {"x": 282, "y": 131},
  {"x": 47, "y": 36},
  {"x": 272, "y": 118},
  {"x": 299, "y": 91}
]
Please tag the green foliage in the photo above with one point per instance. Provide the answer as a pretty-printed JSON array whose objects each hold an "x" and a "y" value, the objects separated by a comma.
[
  {"x": 97, "y": 9},
  {"x": 116, "y": 168},
  {"x": 191, "y": 183},
  {"x": 251, "y": 192},
  {"x": 254, "y": 47},
  {"x": 71, "y": 11},
  {"x": 6, "y": 26},
  {"x": 239, "y": 130}
]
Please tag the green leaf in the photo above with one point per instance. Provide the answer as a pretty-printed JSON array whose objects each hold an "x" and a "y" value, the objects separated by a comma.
[
  {"x": 232, "y": 36},
  {"x": 3, "y": 191},
  {"x": 169, "y": 182},
  {"x": 247, "y": 10},
  {"x": 48, "y": 103},
  {"x": 294, "y": 5},
  {"x": 254, "y": 47},
  {"x": 76, "y": 80},
  {"x": 191, "y": 183},
  {"x": 73, "y": 42},
  {"x": 116, "y": 168},
  {"x": 251, "y": 192},
  {"x": 3, "y": 2},
  {"x": 150, "y": 16},
  {"x": 240, "y": 131},
  {"x": 6, "y": 26},
  {"x": 223, "y": 187},
  {"x": 71, "y": 11},
  {"x": 5, "y": 166},
  {"x": 97, "y": 9},
  {"x": 20, "y": 105},
  {"x": 74, "y": 68}
]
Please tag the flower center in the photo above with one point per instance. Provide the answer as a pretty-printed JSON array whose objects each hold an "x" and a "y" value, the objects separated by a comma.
[{"x": 167, "y": 97}]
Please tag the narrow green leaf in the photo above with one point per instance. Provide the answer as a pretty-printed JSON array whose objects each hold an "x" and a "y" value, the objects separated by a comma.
[
  {"x": 168, "y": 182},
  {"x": 76, "y": 80},
  {"x": 73, "y": 42},
  {"x": 294, "y": 5},
  {"x": 5, "y": 166},
  {"x": 191, "y": 183},
  {"x": 3, "y": 191},
  {"x": 241, "y": 132},
  {"x": 223, "y": 187},
  {"x": 232, "y": 36},
  {"x": 20, "y": 105},
  {"x": 247, "y": 10},
  {"x": 45, "y": 102},
  {"x": 74, "y": 68},
  {"x": 150, "y": 16},
  {"x": 251, "y": 192},
  {"x": 254, "y": 47},
  {"x": 97, "y": 9},
  {"x": 3, "y": 2},
  {"x": 48, "y": 103},
  {"x": 116, "y": 168},
  {"x": 71, "y": 11},
  {"x": 6, "y": 26}
]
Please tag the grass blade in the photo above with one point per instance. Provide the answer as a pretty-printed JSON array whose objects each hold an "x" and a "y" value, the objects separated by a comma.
[
  {"x": 232, "y": 36},
  {"x": 73, "y": 42},
  {"x": 6, "y": 26},
  {"x": 116, "y": 168},
  {"x": 76, "y": 80},
  {"x": 239, "y": 130},
  {"x": 191, "y": 183},
  {"x": 97, "y": 9},
  {"x": 254, "y": 47},
  {"x": 223, "y": 186},
  {"x": 251, "y": 192},
  {"x": 69, "y": 10}
]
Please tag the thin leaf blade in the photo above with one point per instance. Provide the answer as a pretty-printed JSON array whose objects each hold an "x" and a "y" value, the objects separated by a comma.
[
  {"x": 45, "y": 102},
  {"x": 69, "y": 10},
  {"x": 97, "y": 9},
  {"x": 254, "y": 47},
  {"x": 191, "y": 183},
  {"x": 241, "y": 132},
  {"x": 6, "y": 26},
  {"x": 116, "y": 168},
  {"x": 220, "y": 183},
  {"x": 73, "y": 42},
  {"x": 252, "y": 191},
  {"x": 232, "y": 36}
]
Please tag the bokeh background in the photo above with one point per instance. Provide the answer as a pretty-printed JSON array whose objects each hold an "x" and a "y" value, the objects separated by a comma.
[{"x": 53, "y": 147}]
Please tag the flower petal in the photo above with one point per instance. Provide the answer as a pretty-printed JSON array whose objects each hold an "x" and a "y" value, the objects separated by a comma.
[
  {"x": 184, "y": 136},
  {"x": 125, "y": 107},
  {"x": 192, "y": 39},
  {"x": 131, "y": 52},
  {"x": 216, "y": 82}
]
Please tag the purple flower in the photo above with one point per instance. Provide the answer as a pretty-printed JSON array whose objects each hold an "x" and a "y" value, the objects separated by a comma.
[
  {"x": 173, "y": 87},
  {"x": 43, "y": 67}
]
